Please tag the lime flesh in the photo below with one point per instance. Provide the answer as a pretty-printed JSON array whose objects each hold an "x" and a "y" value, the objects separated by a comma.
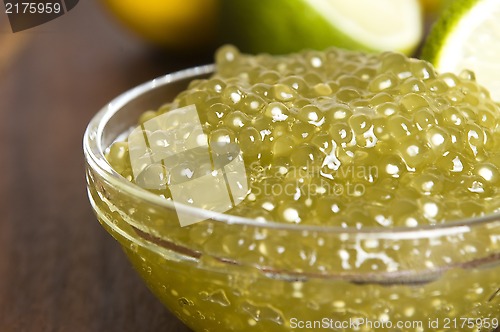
[{"x": 467, "y": 36}]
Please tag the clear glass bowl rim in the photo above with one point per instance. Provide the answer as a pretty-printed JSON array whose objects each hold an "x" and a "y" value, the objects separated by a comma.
[{"x": 95, "y": 159}]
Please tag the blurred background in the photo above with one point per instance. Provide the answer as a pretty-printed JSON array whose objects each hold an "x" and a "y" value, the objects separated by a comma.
[{"x": 59, "y": 270}]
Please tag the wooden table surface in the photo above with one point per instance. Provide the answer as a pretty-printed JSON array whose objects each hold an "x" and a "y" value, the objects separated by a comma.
[{"x": 59, "y": 269}]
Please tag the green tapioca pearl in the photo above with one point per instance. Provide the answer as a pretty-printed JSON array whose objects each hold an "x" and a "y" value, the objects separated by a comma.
[
  {"x": 359, "y": 216},
  {"x": 196, "y": 84},
  {"x": 312, "y": 79},
  {"x": 252, "y": 74},
  {"x": 347, "y": 95},
  {"x": 361, "y": 106},
  {"x": 148, "y": 115},
  {"x": 450, "y": 79},
  {"x": 477, "y": 138},
  {"x": 412, "y": 85},
  {"x": 488, "y": 172},
  {"x": 236, "y": 120},
  {"x": 477, "y": 186},
  {"x": 351, "y": 81},
  {"x": 197, "y": 98},
  {"x": 182, "y": 171},
  {"x": 320, "y": 90},
  {"x": 387, "y": 109},
  {"x": 380, "y": 98},
  {"x": 164, "y": 108},
  {"x": 311, "y": 114},
  {"x": 262, "y": 90},
  {"x": 467, "y": 75},
  {"x": 380, "y": 129},
  {"x": 471, "y": 99},
  {"x": 249, "y": 140},
  {"x": 227, "y": 54},
  {"x": 471, "y": 87},
  {"x": 328, "y": 207},
  {"x": 156, "y": 176},
  {"x": 360, "y": 123},
  {"x": 408, "y": 193},
  {"x": 302, "y": 131},
  {"x": 337, "y": 112},
  {"x": 406, "y": 212},
  {"x": 306, "y": 155},
  {"x": 289, "y": 211},
  {"x": 297, "y": 68},
  {"x": 453, "y": 162},
  {"x": 422, "y": 70},
  {"x": 220, "y": 138},
  {"x": 315, "y": 59},
  {"x": 334, "y": 86},
  {"x": 341, "y": 133},
  {"x": 456, "y": 135},
  {"x": 118, "y": 156},
  {"x": 323, "y": 141},
  {"x": 216, "y": 113},
  {"x": 159, "y": 140},
  {"x": 269, "y": 77},
  {"x": 282, "y": 92},
  {"x": 431, "y": 208},
  {"x": 400, "y": 127},
  {"x": 427, "y": 184},
  {"x": 348, "y": 67},
  {"x": 263, "y": 124},
  {"x": 436, "y": 85},
  {"x": 395, "y": 63},
  {"x": 236, "y": 81},
  {"x": 384, "y": 81},
  {"x": 452, "y": 116},
  {"x": 491, "y": 105},
  {"x": 253, "y": 104},
  {"x": 298, "y": 103},
  {"x": 277, "y": 111},
  {"x": 296, "y": 83},
  {"x": 488, "y": 118},
  {"x": 438, "y": 139},
  {"x": 333, "y": 55},
  {"x": 414, "y": 152},
  {"x": 455, "y": 97},
  {"x": 232, "y": 95},
  {"x": 390, "y": 166},
  {"x": 365, "y": 73},
  {"x": 379, "y": 195},
  {"x": 282, "y": 146},
  {"x": 215, "y": 86},
  {"x": 424, "y": 118},
  {"x": 412, "y": 102},
  {"x": 469, "y": 113},
  {"x": 281, "y": 128}
]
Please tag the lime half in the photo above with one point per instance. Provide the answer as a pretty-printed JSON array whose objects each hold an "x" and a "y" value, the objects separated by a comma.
[
  {"x": 467, "y": 36},
  {"x": 284, "y": 26}
]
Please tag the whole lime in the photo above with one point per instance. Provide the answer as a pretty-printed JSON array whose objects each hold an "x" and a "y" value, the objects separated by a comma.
[{"x": 283, "y": 26}]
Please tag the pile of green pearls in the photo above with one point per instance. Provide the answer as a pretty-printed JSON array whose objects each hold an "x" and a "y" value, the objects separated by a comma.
[{"x": 348, "y": 139}]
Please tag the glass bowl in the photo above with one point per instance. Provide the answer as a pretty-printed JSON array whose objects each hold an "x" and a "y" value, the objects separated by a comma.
[{"x": 231, "y": 273}]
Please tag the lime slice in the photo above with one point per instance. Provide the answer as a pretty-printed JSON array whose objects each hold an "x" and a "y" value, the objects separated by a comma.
[
  {"x": 467, "y": 36},
  {"x": 283, "y": 26}
]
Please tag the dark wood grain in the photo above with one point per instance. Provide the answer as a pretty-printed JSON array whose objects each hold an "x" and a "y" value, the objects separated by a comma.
[{"x": 59, "y": 270}]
